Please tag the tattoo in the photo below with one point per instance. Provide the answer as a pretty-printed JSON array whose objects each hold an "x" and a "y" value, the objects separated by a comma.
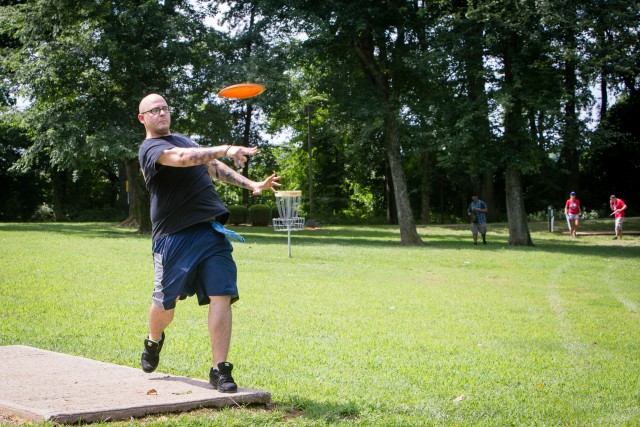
[
  {"x": 203, "y": 155},
  {"x": 214, "y": 172},
  {"x": 224, "y": 173}
]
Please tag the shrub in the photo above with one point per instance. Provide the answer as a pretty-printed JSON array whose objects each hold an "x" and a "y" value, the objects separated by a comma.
[
  {"x": 540, "y": 216},
  {"x": 590, "y": 215},
  {"x": 44, "y": 213},
  {"x": 260, "y": 215},
  {"x": 274, "y": 212},
  {"x": 238, "y": 214}
]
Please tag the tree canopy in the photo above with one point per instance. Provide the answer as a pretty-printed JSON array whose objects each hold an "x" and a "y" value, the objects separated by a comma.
[{"x": 404, "y": 107}]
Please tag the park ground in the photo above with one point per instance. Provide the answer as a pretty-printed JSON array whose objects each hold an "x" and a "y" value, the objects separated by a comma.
[{"x": 355, "y": 329}]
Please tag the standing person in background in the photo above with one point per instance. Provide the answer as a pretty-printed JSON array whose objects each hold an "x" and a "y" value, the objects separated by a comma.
[
  {"x": 477, "y": 212},
  {"x": 572, "y": 211},
  {"x": 191, "y": 251},
  {"x": 618, "y": 207}
]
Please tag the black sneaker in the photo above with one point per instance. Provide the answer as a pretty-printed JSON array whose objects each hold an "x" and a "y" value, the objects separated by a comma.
[
  {"x": 151, "y": 354},
  {"x": 221, "y": 378}
]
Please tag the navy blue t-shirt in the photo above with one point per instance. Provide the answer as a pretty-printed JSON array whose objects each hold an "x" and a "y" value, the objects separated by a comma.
[{"x": 180, "y": 196}]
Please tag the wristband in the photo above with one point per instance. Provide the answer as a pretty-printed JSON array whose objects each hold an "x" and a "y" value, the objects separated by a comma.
[{"x": 226, "y": 151}]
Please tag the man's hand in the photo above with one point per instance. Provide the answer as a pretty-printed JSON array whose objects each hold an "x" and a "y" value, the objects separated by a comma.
[
  {"x": 267, "y": 184},
  {"x": 239, "y": 154}
]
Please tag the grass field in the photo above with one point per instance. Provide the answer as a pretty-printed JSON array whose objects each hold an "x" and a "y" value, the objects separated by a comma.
[{"x": 356, "y": 330}]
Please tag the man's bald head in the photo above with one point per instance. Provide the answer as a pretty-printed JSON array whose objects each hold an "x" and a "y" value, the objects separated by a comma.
[{"x": 148, "y": 101}]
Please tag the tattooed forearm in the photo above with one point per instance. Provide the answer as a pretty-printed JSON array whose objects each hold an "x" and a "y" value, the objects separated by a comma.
[
  {"x": 201, "y": 156},
  {"x": 186, "y": 157},
  {"x": 214, "y": 171},
  {"x": 224, "y": 173}
]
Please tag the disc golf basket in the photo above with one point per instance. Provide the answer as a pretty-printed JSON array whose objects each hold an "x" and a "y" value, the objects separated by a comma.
[{"x": 289, "y": 211}]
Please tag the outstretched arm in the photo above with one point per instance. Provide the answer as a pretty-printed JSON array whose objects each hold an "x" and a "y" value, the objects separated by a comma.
[
  {"x": 224, "y": 173},
  {"x": 182, "y": 157}
]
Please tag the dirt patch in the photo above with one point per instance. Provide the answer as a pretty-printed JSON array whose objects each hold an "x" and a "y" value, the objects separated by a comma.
[{"x": 11, "y": 419}]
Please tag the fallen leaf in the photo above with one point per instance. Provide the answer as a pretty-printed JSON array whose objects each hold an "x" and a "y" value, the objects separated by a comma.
[
  {"x": 540, "y": 385},
  {"x": 152, "y": 392}
]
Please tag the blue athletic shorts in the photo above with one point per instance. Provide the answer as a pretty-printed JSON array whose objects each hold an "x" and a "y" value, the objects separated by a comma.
[{"x": 193, "y": 261}]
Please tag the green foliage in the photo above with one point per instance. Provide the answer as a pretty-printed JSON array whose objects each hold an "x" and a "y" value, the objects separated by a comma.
[
  {"x": 106, "y": 213},
  {"x": 259, "y": 215},
  {"x": 538, "y": 216},
  {"x": 586, "y": 214},
  {"x": 22, "y": 192},
  {"x": 44, "y": 213},
  {"x": 238, "y": 214},
  {"x": 478, "y": 86},
  {"x": 84, "y": 68}
]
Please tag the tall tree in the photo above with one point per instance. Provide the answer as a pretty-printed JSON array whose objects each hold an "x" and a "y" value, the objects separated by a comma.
[
  {"x": 518, "y": 43},
  {"x": 371, "y": 36},
  {"x": 84, "y": 68}
]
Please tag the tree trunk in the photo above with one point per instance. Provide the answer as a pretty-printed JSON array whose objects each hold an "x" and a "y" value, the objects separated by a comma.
[
  {"x": 408, "y": 233},
  {"x": 246, "y": 134},
  {"x": 58, "y": 194},
  {"x": 472, "y": 32},
  {"x": 571, "y": 131},
  {"x": 425, "y": 188},
  {"x": 518, "y": 227},
  {"x": 487, "y": 194},
  {"x": 248, "y": 113},
  {"x": 604, "y": 96},
  {"x": 123, "y": 189},
  {"x": 139, "y": 213},
  {"x": 515, "y": 139},
  {"x": 392, "y": 210},
  {"x": 364, "y": 47}
]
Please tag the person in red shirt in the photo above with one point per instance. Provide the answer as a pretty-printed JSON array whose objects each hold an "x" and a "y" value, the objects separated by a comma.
[
  {"x": 572, "y": 211},
  {"x": 618, "y": 207}
]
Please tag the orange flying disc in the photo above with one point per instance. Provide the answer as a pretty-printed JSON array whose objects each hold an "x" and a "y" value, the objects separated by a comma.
[{"x": 242, "y": 90}]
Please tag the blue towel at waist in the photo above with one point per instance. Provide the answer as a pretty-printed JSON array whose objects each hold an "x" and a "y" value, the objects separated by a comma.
[{"x": 221, "y": 229}]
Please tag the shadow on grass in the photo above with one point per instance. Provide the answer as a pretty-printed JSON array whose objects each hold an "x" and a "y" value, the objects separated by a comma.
[
  {"x": 455, "y": 237},
  {"x": 328, "y": 412},
  {"x": 603, "y": 250},
  {"x": 98, "y": 229},
  {"x": 436, "y": 238}
]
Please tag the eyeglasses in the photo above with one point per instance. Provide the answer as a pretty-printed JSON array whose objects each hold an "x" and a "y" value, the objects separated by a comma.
[{"x": 156, "y": 111}]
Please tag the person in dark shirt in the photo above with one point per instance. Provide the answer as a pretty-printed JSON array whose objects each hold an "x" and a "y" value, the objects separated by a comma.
[
  {"x": 477, "y": 211},
  {"x": 191, "y": 251}
]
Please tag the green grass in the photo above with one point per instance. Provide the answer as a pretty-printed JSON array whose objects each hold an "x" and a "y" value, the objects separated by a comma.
[{"x": 356, "y": 329}]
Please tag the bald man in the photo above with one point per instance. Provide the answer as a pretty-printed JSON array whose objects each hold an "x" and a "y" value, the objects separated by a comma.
[{"x": 191, "y": 250}]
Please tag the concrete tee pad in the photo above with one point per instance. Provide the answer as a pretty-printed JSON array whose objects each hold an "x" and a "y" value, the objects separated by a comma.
[{"x": 40, "y": 385}]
